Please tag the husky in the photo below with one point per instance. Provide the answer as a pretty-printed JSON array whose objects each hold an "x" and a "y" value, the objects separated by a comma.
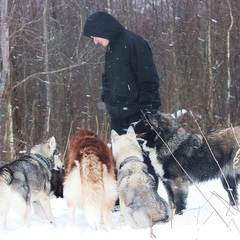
[
  {"x": 27, "y": 180},
  {"x": 57, "y": 176},
  {"x": 90, "y": 181},
  {"x": 140, "y": 204},
  {"x": 181, "y": 157}
]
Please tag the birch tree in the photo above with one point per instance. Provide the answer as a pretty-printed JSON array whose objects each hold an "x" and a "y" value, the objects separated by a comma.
[
  {"x": 46, "y": 68},
  {"x": 229, "y": 82},
  {"x": 4, "y": 48},
  {"x": 5, "y": 82}
]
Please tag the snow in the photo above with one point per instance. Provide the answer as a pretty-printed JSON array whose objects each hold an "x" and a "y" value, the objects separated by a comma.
[{"x": 199, "y": 221}]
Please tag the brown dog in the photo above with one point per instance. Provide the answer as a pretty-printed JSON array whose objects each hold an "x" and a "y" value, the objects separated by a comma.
[{"x": 90, "y": 181}]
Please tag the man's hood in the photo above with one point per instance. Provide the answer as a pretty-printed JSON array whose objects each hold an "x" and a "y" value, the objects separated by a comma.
[{"x": 104, "y": 25}]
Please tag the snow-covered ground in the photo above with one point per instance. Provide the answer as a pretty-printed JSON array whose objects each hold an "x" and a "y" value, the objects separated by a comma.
[{"x": 199, "y": 221}]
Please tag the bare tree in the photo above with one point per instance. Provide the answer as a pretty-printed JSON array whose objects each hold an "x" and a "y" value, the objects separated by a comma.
[
  {"x": 229, "y": 82},
  {"x": 5, "y": 81},
  {"x": 210, "y": 102},
  {"x": 46, "y": 68},
  {"x": 5, "y": 72},
  {"x": 55, "y": 78}
]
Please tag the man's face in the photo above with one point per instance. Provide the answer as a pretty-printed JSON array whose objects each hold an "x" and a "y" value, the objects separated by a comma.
[{"x": 97, "y": 40}]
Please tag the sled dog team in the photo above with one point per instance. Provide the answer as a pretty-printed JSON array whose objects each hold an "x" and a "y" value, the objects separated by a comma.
[{"x": 96, "y": 176}]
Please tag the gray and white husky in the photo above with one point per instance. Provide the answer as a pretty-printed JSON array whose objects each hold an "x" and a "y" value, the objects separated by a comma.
[
  {"x": 27, "y": 180},
  {"x": 140, "y": 204}
]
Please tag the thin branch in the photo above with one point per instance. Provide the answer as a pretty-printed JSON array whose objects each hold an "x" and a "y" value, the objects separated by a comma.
[{"x": 65, "y": 150}]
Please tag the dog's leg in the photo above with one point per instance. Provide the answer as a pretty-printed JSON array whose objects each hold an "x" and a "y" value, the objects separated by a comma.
[
  {"x": 72, "y": 193},
  {"x": 46, "y": 205},
  {"x": 110, "y": 196},
  {"x": 137, "y": 218},
  {"x": 3, "y": 214},
  {"x": 26, "y": 214},
  {"x": 129, "y": 218},
  {"x": 38, "y": 209},
  {"x": 20, "y": 202},
  {"x": 4, "y": 207},
  {"x": 106, "y": 213},
  {"x": 107, "y": 219},
  {"x": 122, "y": 211},
  {"x": 71, "y": 214},
  {"x": 177, "y": 190},
  {"x": 167, "y": 185},
  {"x": 231, "y": 189}
]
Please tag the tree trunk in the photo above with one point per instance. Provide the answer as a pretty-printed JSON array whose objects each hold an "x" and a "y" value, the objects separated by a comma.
[
  {"x": 210, "y": 104},
  {"x": 46, "y": 69},
  {"x": 4, "y": 48},
  {"x": 172, "y": 46},
  {"x": 5, "y": 81},
  {"x": 229, "y": 82},
  {"x": 11, "y": 153}
]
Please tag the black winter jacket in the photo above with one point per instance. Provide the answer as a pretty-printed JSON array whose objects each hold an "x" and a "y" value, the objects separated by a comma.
[{"x": 130, "y": 81}]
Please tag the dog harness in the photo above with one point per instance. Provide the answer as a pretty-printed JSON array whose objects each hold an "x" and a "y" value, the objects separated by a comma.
[{"x": 129, "y": 159}]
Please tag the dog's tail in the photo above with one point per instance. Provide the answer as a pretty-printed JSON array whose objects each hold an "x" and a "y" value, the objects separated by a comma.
[
  {"x": 91, "y": 172},
  {"x": 5, "y": 176},
  {"x": 5, "y": 180}
]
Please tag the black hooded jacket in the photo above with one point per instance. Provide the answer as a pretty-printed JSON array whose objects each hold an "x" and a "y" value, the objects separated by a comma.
[{"x": 130, "y": 81}]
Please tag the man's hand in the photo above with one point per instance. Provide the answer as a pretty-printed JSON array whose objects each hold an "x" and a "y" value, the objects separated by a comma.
[{"x": 146, "y": 116}]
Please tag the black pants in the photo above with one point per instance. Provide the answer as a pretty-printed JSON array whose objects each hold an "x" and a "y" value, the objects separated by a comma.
[{"x": 121, "y": 125}]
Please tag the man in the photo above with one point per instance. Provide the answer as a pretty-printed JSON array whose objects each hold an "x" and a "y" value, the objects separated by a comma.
[{"x": 130, "y": 82}]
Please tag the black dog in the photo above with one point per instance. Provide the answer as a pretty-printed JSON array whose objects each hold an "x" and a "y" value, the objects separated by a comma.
[
  {"x": 57, "y": 178},
  {"x": 179, "y": 156}
]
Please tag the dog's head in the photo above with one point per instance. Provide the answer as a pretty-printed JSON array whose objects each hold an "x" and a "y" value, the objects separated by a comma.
[
  {"x": 47, "y": 149},
  {"x": 160, "y": 125},
  {"x": 124, "y": 146}
]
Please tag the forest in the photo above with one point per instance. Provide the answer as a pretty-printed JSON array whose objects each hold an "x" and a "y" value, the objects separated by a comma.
[{"x": 51, "y": 73}]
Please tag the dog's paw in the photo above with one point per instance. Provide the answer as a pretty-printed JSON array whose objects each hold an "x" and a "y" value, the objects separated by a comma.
[
  {"x": 178, "y": 212},
  {"x": 116, "y": 208}
]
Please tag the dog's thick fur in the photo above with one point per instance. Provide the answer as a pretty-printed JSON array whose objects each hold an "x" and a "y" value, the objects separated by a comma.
[
  {"x": 90, "y": 181},
  {"x": 57, "y": 180},
  {"x": 27, "y": 180},
  {"x": 140, "y": 204},
  {"x": 201, "y": 158},
  {"x": 236, "y": 160},
  {"x": 57, "y": 176}
]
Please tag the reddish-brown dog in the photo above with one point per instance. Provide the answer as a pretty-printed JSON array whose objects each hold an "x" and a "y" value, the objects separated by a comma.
[{"x": 90, "y": 181}]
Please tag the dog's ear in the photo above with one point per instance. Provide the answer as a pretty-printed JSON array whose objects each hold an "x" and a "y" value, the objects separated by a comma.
[
  {"x": 131, "y": 132},
  {"x": 114, "y": 134},
  {"x": 52, "y": 143},
  {"x": 155, "y": 120}
]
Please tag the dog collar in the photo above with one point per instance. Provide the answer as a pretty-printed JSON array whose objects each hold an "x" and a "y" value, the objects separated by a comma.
[
  {"x": 45, "y": 160},
  {"x": 129, "y": 159}
]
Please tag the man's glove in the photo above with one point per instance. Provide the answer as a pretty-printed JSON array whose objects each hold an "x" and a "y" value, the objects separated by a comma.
[{"x": 146, "y": 114}]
